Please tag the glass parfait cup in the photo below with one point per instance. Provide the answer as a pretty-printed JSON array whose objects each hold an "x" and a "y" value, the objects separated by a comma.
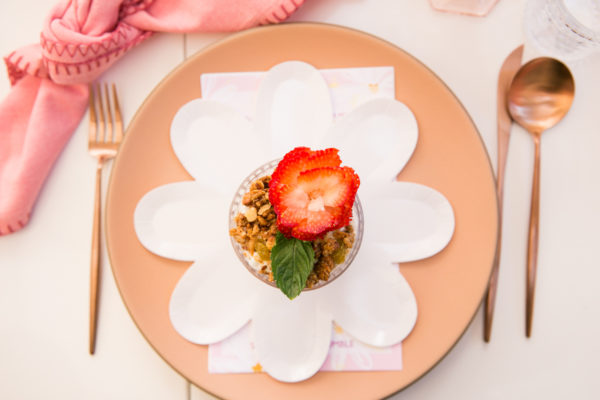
[{"x": 254, "y": 266}]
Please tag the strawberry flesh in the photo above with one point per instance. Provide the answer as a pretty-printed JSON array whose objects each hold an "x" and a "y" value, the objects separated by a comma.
[
  {"x": 311, "y": 193},
  {"x": 301, "y": 159}
]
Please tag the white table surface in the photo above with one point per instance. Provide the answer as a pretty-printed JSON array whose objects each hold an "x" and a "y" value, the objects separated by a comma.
[{"x": 44, "y": 268}]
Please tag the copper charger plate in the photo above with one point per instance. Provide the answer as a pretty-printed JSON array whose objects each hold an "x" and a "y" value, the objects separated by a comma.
[{"x": 450, "y": 157}]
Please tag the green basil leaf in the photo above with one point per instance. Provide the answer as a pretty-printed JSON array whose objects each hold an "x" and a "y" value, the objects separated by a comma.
[{"x": 292, "y": 260}]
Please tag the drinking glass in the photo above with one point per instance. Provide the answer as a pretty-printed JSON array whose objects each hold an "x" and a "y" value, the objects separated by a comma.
[
  {"x": 468, "y": 7},
  {"x": 563, "y": 29},
  {"x": 253, "y": 266}
]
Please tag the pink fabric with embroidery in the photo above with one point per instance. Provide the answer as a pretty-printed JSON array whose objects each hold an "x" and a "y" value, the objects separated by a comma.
[{"x": 80, "y": 40}]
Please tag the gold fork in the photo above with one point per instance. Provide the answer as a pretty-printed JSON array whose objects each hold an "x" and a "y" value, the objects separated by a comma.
[{"x": 103, "y": 143}]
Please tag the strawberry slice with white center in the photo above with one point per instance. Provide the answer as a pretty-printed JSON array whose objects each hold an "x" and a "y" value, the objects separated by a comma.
[
  {"x": 326, "y": 187},
  {"x": 317, "y": 200}
]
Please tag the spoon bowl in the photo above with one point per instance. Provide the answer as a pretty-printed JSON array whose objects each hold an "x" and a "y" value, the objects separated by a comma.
[{"x": 540, "y": 95}]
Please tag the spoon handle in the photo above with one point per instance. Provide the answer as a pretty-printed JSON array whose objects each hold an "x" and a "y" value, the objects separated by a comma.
[{"x": 534, "y": 228}]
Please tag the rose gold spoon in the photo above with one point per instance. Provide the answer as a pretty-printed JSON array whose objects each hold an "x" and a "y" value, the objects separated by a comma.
[{"x": 540, "y": 95}]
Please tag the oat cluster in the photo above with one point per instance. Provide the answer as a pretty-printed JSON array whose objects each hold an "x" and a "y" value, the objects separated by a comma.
[
  {"x": 256, "y": 228},
  {"x": 330, "y": 252}
]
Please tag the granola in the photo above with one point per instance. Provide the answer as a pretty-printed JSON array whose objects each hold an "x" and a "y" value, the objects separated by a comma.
[{"x": 256, "y": 228}]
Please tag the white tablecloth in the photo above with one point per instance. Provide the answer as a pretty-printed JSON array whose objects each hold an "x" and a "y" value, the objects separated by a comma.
[{"x": 44, "y": 269}]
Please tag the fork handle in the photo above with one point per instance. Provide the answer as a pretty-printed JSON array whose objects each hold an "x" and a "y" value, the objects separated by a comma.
[{"x": 95, "y": 260}]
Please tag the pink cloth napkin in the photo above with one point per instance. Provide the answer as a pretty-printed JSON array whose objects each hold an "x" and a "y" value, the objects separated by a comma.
[{"x": 80, "y": 40}]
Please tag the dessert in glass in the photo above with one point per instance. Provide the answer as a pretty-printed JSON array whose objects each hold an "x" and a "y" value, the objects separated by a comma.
[{"x": 305, "y": 200}]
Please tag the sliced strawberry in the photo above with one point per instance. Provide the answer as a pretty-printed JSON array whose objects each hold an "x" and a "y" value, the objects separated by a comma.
[
  {"x": 317, "y": 224},
  {"x": 311, "y": 194},
  {"x": 308, "y": 225},
  {"x": 301, "y": 159},
  {"x": 291, "y": 164},
  {"x": 327, "y": 187},
  {"x": 323, "y": 158},
  {"x": 283, "y": 197}
]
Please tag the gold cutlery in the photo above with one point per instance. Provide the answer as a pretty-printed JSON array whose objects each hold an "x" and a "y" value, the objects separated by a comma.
[
  {"x": 539, "y": 97},
  {"x": 507, "y": 72},
  {"x": 103, "y": 143}
]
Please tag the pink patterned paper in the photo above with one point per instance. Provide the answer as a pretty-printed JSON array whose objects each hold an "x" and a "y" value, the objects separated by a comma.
[{"x": 349, "y": 88}]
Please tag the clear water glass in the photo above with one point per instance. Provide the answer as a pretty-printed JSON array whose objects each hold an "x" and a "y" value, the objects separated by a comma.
[{"x": 564, "y": 29}]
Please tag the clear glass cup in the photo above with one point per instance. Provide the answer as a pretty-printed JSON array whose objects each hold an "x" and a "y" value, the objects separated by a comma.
[
  {"x": 478, "y": 8},
  {"x": 253, "y": 266},
  {"x": 563, "y": 29}
]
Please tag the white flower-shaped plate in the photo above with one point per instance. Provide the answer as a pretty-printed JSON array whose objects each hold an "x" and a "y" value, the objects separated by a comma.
[
  {"x": 449, "y": 157},
  {"x": 219, "y": 147}
]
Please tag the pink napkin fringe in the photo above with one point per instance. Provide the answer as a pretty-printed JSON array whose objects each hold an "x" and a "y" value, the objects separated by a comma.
[{"x": 79, "y": 41}]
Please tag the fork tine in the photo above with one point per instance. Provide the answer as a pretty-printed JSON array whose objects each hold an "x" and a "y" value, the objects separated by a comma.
[
  {"x": 100, "y": 113},
  {"x": 93, "y": 127},
  {"x": 108, "y": 137},
  {"x": 118, "y": 119}
]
